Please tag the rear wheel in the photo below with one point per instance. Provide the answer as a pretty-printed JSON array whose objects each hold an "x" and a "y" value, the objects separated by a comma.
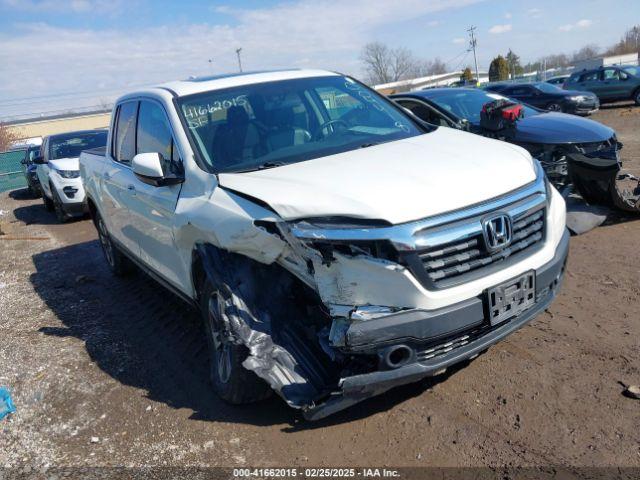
[
  {"x": 636, "y": 97},
  {"x": 119, "y": 264},
  {"x": 231, "y": 381},
  {"x": 554, "y": 107}
]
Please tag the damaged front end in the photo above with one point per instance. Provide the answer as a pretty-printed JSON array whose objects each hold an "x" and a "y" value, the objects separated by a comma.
[
  {"x": 593, "y": 168},
  {"x": 341, "y": 315}
]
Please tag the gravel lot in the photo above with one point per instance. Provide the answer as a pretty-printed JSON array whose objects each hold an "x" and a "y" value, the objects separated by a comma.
[{"x": 108, "y": 372}]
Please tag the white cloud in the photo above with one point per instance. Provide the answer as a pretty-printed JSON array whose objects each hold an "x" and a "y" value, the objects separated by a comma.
[
  {"x": 500, "y": 28},
  {"x": 288, "y": 34},
  {"x": 434, "y": 23},
  {"x": 64, "y": 6},
  {"x": 459, "y": 40},
  {"x": 508, "y": 15},
  {"x": 534, "y": 12},
  {"x": 584, "y": 23}
]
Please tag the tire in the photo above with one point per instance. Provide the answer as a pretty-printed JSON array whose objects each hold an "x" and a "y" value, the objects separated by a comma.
[
  {"x": 48, "y": 203},
  {"x": 231, "y": 381},
  {"x": 118, "y": 263},
  {"x": 591, "y": 192},
  {"x": 636, "y": 96},
  {"x": 554, "y": 107},
  {"x": 58, "y": 207}
]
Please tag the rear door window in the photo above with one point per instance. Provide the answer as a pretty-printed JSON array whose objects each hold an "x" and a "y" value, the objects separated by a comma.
[
  {"x": 125, "y": 134},
  {"x": 590, "y": 76}
]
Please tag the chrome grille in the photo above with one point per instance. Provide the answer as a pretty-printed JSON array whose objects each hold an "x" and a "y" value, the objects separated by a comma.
[{"x": 457, "y": 258}]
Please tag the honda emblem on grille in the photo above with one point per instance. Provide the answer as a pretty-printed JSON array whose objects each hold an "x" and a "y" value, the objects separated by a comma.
[{"x": 497, "y": 232}]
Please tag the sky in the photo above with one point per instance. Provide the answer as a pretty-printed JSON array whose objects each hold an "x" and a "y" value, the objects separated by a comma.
[{"x": 65, "y": 54}]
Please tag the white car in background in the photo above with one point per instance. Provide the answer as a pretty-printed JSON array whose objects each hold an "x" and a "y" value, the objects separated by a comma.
[{"x": 59, "y": 172}]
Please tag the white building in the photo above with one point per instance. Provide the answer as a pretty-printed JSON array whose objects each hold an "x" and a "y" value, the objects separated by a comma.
[
  {"x": 440, "y": 80},
  {"x": 626, "y": 59}
]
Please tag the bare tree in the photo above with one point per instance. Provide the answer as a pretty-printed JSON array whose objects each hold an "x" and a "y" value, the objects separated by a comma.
[
  {"x": 377, "y": 59},
  {"x": 629, "y": 43},
  {"x": 402, "y": 64},
  {"x": 437, "y": 66},
  {"x": 383, "y": 64},
  {"x": 7, "y": 137},
  {"x": 585, "y": 53}
]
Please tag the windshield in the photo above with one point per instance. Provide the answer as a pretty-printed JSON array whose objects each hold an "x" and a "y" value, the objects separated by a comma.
[
  {"x": 548, "y": 88},
  {"x": 270, "y": 124},
  {"x": 71, "y": 144},
  {"x": 467, "y": 104},
  {"x": 632, "y": 70}
]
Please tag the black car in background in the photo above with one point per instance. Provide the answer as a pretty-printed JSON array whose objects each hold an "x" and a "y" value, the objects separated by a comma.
[
  {"x": 545, "y": 96},
  {"x": 558, "y": 80},
  {"x": 571, "y": 149},
  {"x": 29, "y": 169}
]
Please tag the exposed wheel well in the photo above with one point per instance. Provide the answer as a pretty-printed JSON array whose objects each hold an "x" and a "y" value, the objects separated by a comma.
[{"x": 197, "y": 273}]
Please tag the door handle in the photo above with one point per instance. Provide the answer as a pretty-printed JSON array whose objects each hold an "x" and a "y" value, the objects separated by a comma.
[{"x": 131, "y": 188}]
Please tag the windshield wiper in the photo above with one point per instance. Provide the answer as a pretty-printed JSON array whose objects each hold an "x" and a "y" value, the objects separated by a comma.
[
  {"x": 265, "y": 165},
  {"x": 262, "y": 166}
]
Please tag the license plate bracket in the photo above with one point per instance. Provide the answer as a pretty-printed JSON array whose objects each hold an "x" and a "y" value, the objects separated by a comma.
[{"x": 511, "y": 298}]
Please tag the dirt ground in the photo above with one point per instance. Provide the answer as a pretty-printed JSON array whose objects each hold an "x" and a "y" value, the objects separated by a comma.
[{"x": 108, "y": 372}]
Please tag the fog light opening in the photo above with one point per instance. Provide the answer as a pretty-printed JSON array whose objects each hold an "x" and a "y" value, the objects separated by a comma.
[{"x": 398, "y": 356}]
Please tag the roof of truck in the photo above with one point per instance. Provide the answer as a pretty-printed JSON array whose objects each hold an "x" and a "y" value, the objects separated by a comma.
[{"x": 215, "y": 82}]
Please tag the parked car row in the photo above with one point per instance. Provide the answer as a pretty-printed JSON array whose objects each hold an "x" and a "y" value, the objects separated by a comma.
[
  {"x": 336, "y": 243},
  {"x": 571, "y": 149},
  {"x": 550, "y": 97}
]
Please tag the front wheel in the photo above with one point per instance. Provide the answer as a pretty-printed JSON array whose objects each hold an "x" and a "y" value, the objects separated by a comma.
[
  {"x": 231, "y": 381},
  {"x": 58, "y": 207},
  {"x": 48, "y": 203},
  {"x": 636, "y": 97},
  {"x": 554, "y": 107}
]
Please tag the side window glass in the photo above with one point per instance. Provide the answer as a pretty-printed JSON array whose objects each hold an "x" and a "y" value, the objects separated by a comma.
[
  {"x": 126, "y": 132},
  {"x": 589, "y": 77},
  {"x": 154, "y": 134},
  {"x": 610, "y": 74}
]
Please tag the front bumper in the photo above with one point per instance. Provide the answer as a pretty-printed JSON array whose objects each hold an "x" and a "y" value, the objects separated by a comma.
[
  {"x": 448, "y": 325},
  {"x": 584, "y": 108}
]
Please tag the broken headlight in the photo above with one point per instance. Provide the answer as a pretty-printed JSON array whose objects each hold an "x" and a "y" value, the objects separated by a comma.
[{"x": 320, "y": 234}]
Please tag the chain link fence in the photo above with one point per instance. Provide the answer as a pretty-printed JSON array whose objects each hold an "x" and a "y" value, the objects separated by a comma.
[{"x": 11, "y": 176}]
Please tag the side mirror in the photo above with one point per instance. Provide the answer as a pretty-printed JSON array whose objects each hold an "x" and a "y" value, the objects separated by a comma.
[
  {"x": 39, "y": 160},
  {"x": 148, "y": 168}
]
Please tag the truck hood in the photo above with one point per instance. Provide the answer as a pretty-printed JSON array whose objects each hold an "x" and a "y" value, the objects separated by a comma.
[
  {"x": 65, "y": 163},
  {"x": 396, "y": 182},
  {"x": 560, "y": 128}
]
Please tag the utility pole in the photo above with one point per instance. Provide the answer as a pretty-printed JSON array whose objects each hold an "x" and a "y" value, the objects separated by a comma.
[
  {"x": 238, "y": 50},
  {"x": 472, "y": 44}
]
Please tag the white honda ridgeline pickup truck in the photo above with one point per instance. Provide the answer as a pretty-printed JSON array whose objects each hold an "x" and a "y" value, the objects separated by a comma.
[{"x": 335, "y": 245}]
